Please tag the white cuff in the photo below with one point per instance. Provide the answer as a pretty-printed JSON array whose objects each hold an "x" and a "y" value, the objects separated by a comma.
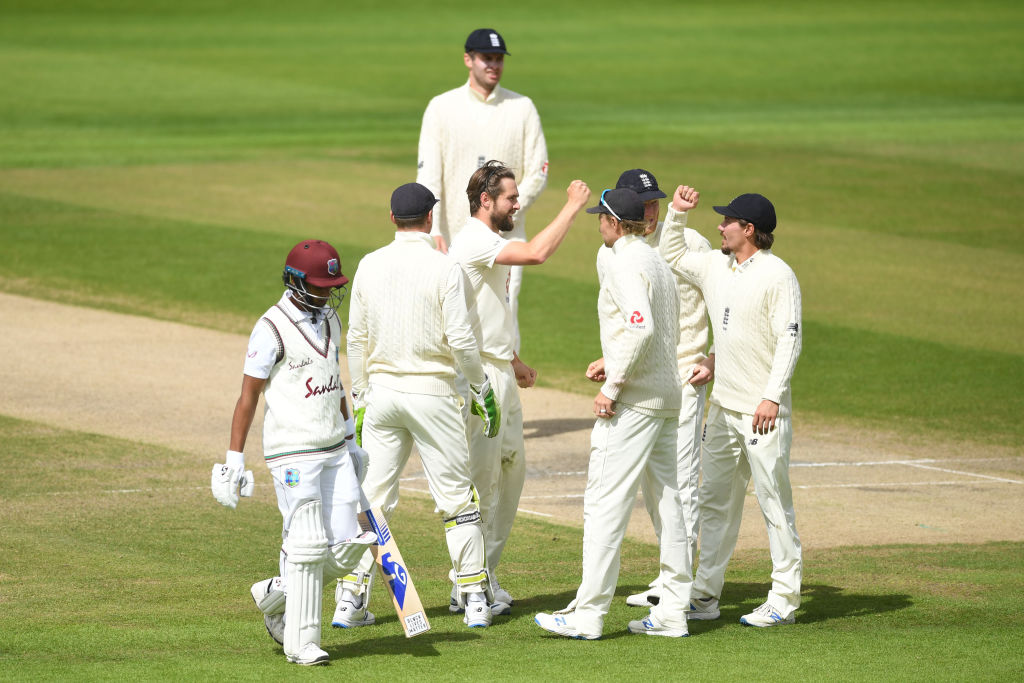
[
  {"x": 350, "y": 428},
  {"x": 235, "y": 460}
]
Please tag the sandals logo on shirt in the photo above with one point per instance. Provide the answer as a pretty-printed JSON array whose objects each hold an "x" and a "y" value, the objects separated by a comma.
[{"x": 291, "y": 477}]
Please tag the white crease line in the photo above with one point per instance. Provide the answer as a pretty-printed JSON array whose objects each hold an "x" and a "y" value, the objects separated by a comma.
[
  {"x": 894, "y": 483},
  {"x": 564, "y": 474},
  {"x": 967, "y": 474},
  {"x": 559, "y": 495},
  {"x": 534, "y": 512},
  {"x": 859, "y": 464}
]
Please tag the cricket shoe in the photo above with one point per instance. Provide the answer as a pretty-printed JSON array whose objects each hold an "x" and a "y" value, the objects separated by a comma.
[
  {"x": 478, "y": 613},
  {"x": 562, "y": 625},
  {"x": 351, "y": 614},
  {"x": 310, "y": 655},
  {"x": 703, "y": 609},
  {"x": 649, "y": 597},
  {"x": 652, "y": 627},
  {"x": 268, "y": 594},
  {"x": 765, "y": 616},
  {"x": 453, "y": 604}
]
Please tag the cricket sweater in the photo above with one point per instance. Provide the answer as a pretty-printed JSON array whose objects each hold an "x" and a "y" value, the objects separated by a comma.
[
  {"x": 755, "y": 314},
  {"x": 408, "y": 320},
  {"x": 461, "y": 131},
  {"x": 638, "y": 311}
]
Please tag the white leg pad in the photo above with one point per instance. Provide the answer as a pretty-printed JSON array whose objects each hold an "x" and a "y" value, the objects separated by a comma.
[
  {"x": 269, "y": 595},
  {"x": 306, "y": 550},
  {"x": 345, "y": 556}
]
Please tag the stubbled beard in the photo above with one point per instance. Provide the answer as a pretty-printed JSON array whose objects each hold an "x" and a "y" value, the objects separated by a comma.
[{"x": 726, "y": 250}]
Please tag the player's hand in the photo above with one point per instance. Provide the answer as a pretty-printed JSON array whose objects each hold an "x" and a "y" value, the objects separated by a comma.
[
  {"x": 441, "y": 245},
  {"x": 360, "y": 460},
  {"x": 764, "y": 417},
  {"x": 578, "y": 193},
  {"x": 230, "y": 480},
  {"x": 604, "y": 407},
  {"x": 703, "y": 372},
  {"x": 595, "y": 371},
  {"x": 685, "y": 198},
  {"x": 526, "y": 376},
  {"x": 485, "y": 404}
]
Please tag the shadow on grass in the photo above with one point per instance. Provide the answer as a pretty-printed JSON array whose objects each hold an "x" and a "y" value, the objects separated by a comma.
[
  {"x": 819, "y": 603},
  {"x": 418, "y": 646},
  {"x": 536, "y": 429}
]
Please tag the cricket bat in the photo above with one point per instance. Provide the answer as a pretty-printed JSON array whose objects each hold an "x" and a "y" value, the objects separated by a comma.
[{"x": 387, "y": 556}]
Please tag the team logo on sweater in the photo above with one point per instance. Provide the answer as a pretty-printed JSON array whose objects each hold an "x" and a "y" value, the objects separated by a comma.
[
  {"x": 291, "y": 477},
  {"x": 636, "y": 320}
]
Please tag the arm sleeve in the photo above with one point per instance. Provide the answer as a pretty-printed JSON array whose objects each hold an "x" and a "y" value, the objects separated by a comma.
[
  {"x": 535, "y": 159},
  {"x": 263, "y": 352},
  {"x": 674, "y": 248},
  {"x": 631, "y": 293},
  {"x": 429, "y": 160},
  {"x": 457, "y": 327},
  {"x": 784, "y": 303},
  {"x": 357, "y": 336}
]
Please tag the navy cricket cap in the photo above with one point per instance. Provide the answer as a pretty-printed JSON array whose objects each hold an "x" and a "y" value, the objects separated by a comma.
[
  {"x": 642, "y": 182},
  {"x": 487, "y": 41},
  {"x": 622, "y": 203},
  {"x": 753, "y": 208},
  {"x": 412, "y": 200}
]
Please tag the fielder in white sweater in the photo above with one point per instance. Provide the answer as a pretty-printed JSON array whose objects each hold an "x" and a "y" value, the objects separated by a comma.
[
  {"x": 634, "y": 436},
  {"x": 753, "y": 300},
  {"x": 463, "y": 128},
  {"x": 409, "y": 330}
]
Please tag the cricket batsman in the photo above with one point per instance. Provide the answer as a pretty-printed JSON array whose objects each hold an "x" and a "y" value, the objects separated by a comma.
[{"x": 292, "y": 359}]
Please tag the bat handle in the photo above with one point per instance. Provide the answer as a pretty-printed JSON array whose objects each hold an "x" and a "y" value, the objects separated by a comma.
[{"x": 364, "y": 503}]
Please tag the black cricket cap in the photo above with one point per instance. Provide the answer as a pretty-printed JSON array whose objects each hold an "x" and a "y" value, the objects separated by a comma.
[
  {"x": 622, "y": 202},
  {"x": 753, "y": 208},
  {"x": 412, "y": 200},
  {"x": 642, "y": 182},
  {"x": 487, "y": 41}
]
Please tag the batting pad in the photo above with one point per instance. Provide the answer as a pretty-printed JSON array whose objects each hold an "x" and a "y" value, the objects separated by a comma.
[
  {"x": 344, "y": 557},
  {"x": 306, "y": 550}
]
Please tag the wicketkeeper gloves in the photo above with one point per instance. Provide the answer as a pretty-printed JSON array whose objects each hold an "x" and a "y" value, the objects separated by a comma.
[
  {"x": 231, "y": 480},
  {"x": 486, "y": 406}
]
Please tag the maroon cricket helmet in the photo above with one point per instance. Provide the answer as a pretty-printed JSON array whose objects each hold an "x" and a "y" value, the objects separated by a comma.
[{"x": 316, "y": 262}]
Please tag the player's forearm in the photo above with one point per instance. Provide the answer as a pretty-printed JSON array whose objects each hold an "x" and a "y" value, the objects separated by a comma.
[
  {"x": 241, "y": 420},
  {"x": 620, "y": 365},
  {"x": 469, "y": 364},
  {"x": 547, "y": 241}
]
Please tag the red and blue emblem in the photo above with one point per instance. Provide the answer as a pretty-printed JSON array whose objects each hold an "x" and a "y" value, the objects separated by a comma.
[
  {"x": 291, "y": 477},
  {"x": 332, "y": 266}
]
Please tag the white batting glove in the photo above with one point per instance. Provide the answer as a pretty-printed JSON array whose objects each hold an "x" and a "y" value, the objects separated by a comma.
[
  {"x": 485, "y": 404},
  {"x": 230, "y": 480},
  {"x": 360, "y": 459}
]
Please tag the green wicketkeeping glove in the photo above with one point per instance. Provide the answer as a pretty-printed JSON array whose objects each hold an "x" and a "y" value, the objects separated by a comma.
[{"x": 486, "y": 406}]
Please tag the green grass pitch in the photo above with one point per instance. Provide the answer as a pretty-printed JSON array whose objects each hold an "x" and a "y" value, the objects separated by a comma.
[{"x": 159, "y": 158}]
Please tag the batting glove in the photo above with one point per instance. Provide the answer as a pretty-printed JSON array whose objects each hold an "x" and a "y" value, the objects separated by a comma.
[
  {"x": 486, "y": 406},
  {"x": 359, "y": 408},
  {"x": 231, "y": 480},
  {"x": 360, "y": 460}
]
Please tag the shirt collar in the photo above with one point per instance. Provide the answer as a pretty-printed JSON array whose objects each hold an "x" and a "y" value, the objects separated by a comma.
[
  {"x": 414, "y": 236},
  {"x": 757, "y": 256},
  {"x": 624, "y": 242},
  {"x": 297, "y": 314},
  {"x": 480, "y": 98}
]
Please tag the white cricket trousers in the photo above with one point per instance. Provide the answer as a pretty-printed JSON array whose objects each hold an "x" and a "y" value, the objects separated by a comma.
[
  {"x": 498, "y": 465},
  {"x": 393, "y": 422},
  {"x": 691, "y": 420},
  {"x": 629, "y": 448},
  {"x": 733, "y": 454}
]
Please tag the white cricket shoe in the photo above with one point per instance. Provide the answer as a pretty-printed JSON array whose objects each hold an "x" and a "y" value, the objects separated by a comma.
[
  {"x": 651, "y": 596},
  {"x": 652, "y": 627},
  {"x": 453, "y": 604},
  {"x": 501, "y": 595},
  {"x": 350, "y": 613},
  {"x": 703, "y": 609},
  {"x": 310, "y": 655},
  {"x": 765, "y": 616},
  {"x": 274, "y": 622},
  {"x": 478, "y": 612},
  {"x": 562, "y": 624}
]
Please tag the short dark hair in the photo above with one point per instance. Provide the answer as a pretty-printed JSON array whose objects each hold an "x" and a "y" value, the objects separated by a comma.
[
  {"x": 405, "y": 223},
  {"x": 487, "y": 179},
  {"x": 762, "y": 240}
]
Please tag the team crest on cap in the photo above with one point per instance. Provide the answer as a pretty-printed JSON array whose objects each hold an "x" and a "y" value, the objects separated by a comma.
[
  {"x": 291, "y": 477},
  {"x": 332, "y": 266},
  {"x": 645, "y": 180},
  {"x": 494, "y": 40}
]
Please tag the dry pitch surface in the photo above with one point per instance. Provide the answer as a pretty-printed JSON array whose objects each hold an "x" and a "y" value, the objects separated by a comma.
[{"x": 174, "y": 385}]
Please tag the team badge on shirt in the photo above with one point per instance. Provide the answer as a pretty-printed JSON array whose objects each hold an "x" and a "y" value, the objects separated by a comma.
[
  {"x": 291, "y": 477},
  {"x": 637, "y": 321}
]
